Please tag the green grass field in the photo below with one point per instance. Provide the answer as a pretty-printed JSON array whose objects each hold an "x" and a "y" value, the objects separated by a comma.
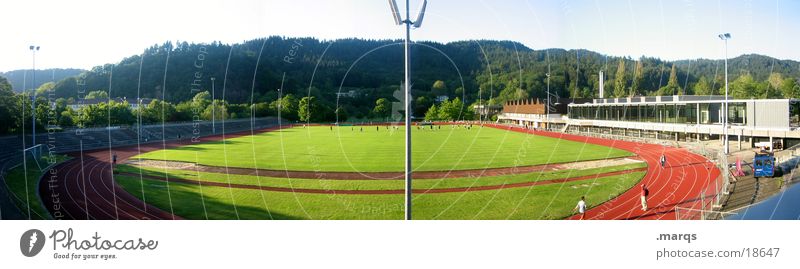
[
  {"x": 23, "y": 184},
  {"x": 422, "y": 184},
  {"x": 340, "y": 149},
  {"x": 321, "y": 149},
  {"x": 553, "y": 201}
]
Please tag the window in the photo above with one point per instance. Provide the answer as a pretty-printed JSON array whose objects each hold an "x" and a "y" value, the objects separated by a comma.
[
  {"x": 736, "y": 113},
  {"x": 689, "y": 114}
]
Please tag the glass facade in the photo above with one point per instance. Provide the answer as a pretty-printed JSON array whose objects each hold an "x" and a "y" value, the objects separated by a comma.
[
  {"x": 689, "y": 113},
  {"x": 794, "y": 114}
]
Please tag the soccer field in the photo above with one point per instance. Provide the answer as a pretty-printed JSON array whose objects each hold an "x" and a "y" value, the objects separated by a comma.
[{"x": 380, "y": 149}]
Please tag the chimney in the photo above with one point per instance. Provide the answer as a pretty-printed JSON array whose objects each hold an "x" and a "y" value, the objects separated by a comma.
[{"x": 601, "y": 84}]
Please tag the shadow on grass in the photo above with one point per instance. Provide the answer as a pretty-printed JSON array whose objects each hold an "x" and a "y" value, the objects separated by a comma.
[{"x": 186, "y": 201}]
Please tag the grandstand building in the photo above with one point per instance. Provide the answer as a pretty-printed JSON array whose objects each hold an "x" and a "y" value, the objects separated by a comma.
[
  {"x": 676, "y": 118},
  {"x": 534, "y": 113}
]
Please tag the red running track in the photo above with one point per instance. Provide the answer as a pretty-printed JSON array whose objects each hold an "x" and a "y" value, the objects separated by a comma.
[
  {"x": 84, "y": 187},
  {"x": 680, "y": 184}
]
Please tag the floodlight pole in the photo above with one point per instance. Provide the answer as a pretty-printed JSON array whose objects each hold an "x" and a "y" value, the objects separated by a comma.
[
  {"x": 33, "y": 95},
  {"x": 725, "y": 38},
  {"x": 407, "y": 52},
  {"x": 407, "y": 101},
  {"x": 547, "y": 107},
  {"x": 213, "y": 109}
]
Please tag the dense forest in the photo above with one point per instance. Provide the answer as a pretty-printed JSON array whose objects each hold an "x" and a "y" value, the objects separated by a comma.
[
  {"x": 471, "y": 70},
  {"x": 359, "y": 79},
  {"x": 22, "y": 79}
]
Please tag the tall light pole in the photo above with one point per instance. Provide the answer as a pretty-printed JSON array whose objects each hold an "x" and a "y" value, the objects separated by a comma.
[
  {"x": 33, "y": 49},
  {"x": 213, "y": 109},
  {"x": 547, "y": 107},
  {"x": 725, "y": 38},
  {"x": 280, "y": 104},
  {"x": 408, "y": 23}
]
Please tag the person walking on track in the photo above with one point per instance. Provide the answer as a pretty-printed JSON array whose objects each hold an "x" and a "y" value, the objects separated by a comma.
[
  {"x": 581, "y": 207},
  {"x": 645, "y": 193},
  {"x": 663, "y": 161}
]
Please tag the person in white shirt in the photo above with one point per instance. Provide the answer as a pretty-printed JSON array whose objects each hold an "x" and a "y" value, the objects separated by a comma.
[{"x": 581, "y": 207}]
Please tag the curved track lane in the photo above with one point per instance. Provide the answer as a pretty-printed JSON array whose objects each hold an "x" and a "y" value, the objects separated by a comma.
[
  {"x": 684, "y": 181},
  {"x": 84, "y": 187}
]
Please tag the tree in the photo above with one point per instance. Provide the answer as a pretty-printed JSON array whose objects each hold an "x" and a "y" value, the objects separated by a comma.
[
  {"x": 672, "y": 87},
  {"x": 186, "y": 111},
  {"x": 96, "y": 95},
  {"x": 421, "y": 105},
  {"x": 439, "y": 88},
  {"x": 511, "y": 93},
  {"x": 620, "y": 80},
  {"x": 382, "y": 109},
  {"x": 66, "y": 119},
  {"x": 775, "y": 81},
  {"x": 120, "y": 114},
  {"x": 308, "y": 109},
  {"x": 702, "y": 87},
  {"x": 790, "y": 88},
  {"x": 201, "y": 100},
  {"x": 341, "y": 114},
  {"x": 43, "y": 112},
  {"x": 9, "y": 107},
  {"x": 743, "y": 87},
  {"x": 432, "y": 114},
  {"x": 261, "y": 109},
  {"x": 45, "y": 88},
  {"x": 159, "y": 112},
  {"x": 452, "y": 110},
  {"x": 638, "y": 77},
  {"x": 287, "y": 106},
  {"x": 217, "y": 110}
]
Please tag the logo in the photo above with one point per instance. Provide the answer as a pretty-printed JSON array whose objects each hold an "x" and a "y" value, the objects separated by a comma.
[{"x": 31, "y": 242}]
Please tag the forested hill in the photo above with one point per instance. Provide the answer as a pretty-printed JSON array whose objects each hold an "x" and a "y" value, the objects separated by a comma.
[
  {"x": 484, "y": 69},
  {"x": 20, "y": 79}
]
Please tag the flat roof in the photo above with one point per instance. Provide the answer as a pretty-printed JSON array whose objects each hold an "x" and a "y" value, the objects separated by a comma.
[{"x": 672, "y": 99}]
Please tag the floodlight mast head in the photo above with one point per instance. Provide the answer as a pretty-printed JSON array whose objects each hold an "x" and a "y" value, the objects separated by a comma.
[
  {"x": 418, "y": 22},
  {"x": 395, "y": 12},
  {"x": 725, "y": 36}
]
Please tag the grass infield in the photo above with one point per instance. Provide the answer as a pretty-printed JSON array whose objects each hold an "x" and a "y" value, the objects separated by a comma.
[
  {"x": 553, "y": 201},
  {"x": 421, "y": 184},
  {"x": 380, "y": 149}
]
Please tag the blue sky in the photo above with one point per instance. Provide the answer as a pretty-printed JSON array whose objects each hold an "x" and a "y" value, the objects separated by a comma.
[{"x": 83, "y": 33}]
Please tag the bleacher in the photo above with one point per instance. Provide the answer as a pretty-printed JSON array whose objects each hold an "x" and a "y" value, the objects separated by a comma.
[{"x": 70, "y": 140}]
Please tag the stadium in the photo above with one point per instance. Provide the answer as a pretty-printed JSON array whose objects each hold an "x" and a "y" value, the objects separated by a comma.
[
  {"x": 270, "y": 169},
  {"x": 534, "y": 162},
  {"x": 339, "y": 153}
]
